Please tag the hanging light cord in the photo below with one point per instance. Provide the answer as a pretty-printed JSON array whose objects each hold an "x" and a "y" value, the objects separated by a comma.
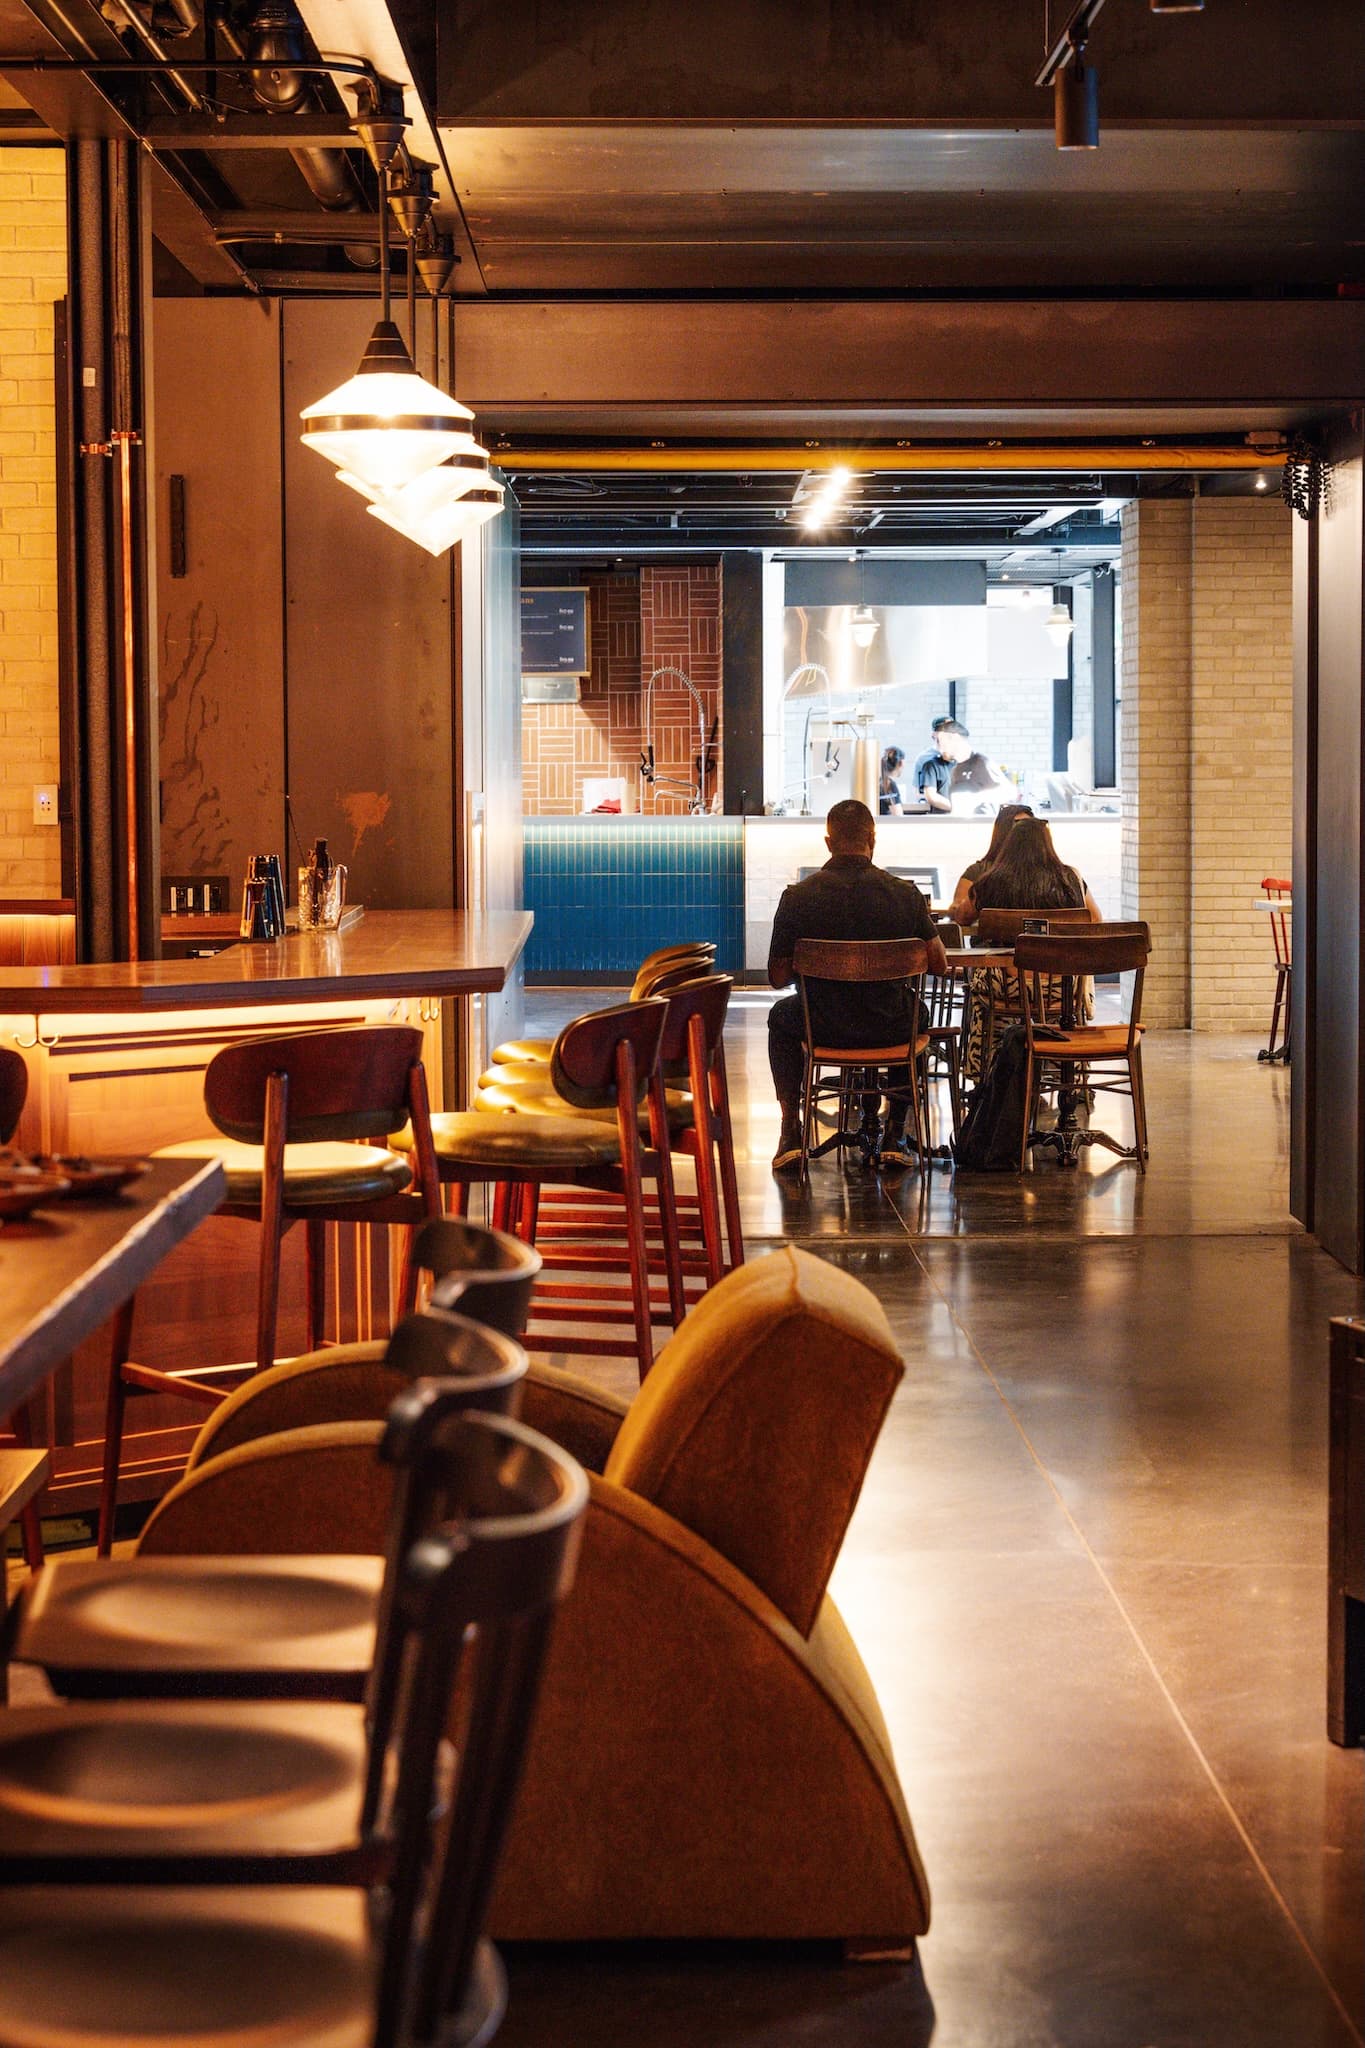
[
  {"x": 384, "y": 242},
  {"x": 412, "y": 298}
]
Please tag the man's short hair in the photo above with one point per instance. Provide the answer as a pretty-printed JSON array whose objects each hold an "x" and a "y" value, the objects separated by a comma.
[
  {"x": 850, "y": 824},
  {"x": 951, "y": 725}
]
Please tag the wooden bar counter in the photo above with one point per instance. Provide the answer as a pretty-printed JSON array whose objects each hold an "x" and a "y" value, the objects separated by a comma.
[{"x": 116, "y": 1056}]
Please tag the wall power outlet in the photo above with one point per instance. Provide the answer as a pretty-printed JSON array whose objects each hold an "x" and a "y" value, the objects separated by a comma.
[{"x": 45, "y": 803}]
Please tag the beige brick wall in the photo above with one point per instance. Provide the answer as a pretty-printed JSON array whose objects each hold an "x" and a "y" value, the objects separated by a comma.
[
  {"x": 32, "y": 276},
  {"x": 1207, "y": 735},
  {"x": 1154, "y": 745},
  {"x": 1241, "y": 659}
]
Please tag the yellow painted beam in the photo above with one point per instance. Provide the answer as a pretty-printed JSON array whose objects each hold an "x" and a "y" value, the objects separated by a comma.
[{"x": 941, "y": 458}]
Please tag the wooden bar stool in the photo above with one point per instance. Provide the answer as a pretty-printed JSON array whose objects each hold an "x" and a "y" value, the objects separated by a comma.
[
  {"x": 692, "y": 1059},
  {"x": 608, "y": 1060},
  {"x": 652, "y": 976},
  {"x": 1279, "y": 890},
  {"x": 299, "y": 1117}
]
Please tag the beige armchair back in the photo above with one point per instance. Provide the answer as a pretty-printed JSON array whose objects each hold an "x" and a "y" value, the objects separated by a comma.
[{"x": 756, "y": 1425}]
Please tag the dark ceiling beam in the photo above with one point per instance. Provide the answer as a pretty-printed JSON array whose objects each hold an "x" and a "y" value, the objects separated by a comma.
[
  {"x": 608, "y": 538},
  {"x": 559, "y": 361},
  {"x": 970, "y": 62}
]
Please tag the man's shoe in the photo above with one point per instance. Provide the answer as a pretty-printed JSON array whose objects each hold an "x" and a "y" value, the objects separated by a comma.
[
  {"x": 788, "y": 1153},
  {"x": 895, "y": 1154}
]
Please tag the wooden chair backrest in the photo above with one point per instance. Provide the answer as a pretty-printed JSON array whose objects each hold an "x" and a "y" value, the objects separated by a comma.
[
  {"x": 487, "y": 1583},
  {"x": 509, "y": 1563},
  {"x": 1101, "y": 952},
  {"x": 483, "y": 1274},
  {"x": 708, "y": 1000},
  {"x": 351, "y": 1083},
  {"x": 13, "y": 1091},
  {"x": 1002, "y": 927},
  {"x": 656, "y": 981},
  {"x": 860, "y": 959},
  {"x": 666, "y": 956},
  {"x": 583, "y": 1065}
]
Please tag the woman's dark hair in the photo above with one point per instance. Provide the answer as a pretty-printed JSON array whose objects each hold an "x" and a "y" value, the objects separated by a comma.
[
  {"x": 1028, "y": 875},
  {"x": 892, "y": 759},
  {"x": 1004, "y": 821}
]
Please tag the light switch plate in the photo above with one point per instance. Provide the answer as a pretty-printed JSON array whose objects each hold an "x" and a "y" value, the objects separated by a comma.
[{"x": 45, "y": 803}]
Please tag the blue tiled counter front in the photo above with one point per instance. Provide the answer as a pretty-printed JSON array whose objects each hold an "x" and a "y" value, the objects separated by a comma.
[{"x": 606, "y": 891}]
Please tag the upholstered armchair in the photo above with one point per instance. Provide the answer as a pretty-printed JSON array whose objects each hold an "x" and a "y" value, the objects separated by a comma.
[{"x": 709, "y": 1758}]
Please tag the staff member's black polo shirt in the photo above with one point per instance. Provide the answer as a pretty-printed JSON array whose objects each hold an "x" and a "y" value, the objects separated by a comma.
[
  {"x": 933, "y": 772},
  {"x": 848, "y": 898}
]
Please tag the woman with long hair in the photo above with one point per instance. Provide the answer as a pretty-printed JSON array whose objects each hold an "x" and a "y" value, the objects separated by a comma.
[
  {"x": 962, "y": 909},
  {"x": 1029, "y": 875},
  {"x": 890, "y": 800}
]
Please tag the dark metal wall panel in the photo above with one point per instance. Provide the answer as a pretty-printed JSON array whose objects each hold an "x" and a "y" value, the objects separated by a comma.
[
  {"x": 221, "y": 625},
  {"x": 1340, "y": 820},
  {"x": 502, "y": 785},
  {"x": 741, "y": 678},
  {"x": 369, "y": 652},
  {"x": 1303, "y": 988}
]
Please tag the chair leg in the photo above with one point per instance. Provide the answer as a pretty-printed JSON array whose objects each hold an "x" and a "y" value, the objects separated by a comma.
[
  {"x": 1139, "y": 1106},
  {"x": 807, "y": 1114},
  {"x": 637, "y": 1245},
  {"x": 121, "y": 1339},
  {"x": 668, "y": 1228},
  {"x": 729, "y": 1180},
  {"x": 30, "y": 1521},
  {"x": 708, "y": 1199},
  {"x": 1031, "y": 1092},
  {"x": 315, "y": 1232}
]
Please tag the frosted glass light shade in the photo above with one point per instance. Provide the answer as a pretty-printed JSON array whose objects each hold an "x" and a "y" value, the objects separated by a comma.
[
  {"x": 439, "y": 527},
  {"x": 863, "y": 626},
  {"x": 463, "y": 468},
  {"x": 1057, "y": 625},
  {"x": 386, "y": 425}
]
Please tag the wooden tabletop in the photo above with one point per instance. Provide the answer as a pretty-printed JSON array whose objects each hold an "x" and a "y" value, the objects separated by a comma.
[
  {"x": 64, "y": 1270},
  {"x": 979, "y": 956},
  {"x": 388, "y": 953}
]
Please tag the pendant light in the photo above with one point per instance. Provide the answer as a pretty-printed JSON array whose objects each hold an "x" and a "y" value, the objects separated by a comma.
[
  {"x": 455, "y": 497},
  {"x": 1059, "y": 623},
  {"x": 386, "y": 425},
  {"x": 864, "y": 622}
]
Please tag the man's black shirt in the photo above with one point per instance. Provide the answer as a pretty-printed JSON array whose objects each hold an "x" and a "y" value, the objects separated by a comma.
[
  {"x": 849, "y": 898},
  {"x": 933, "y": 772}
]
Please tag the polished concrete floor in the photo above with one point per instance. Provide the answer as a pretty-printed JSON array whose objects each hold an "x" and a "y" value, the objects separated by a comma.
[{"x": 1087, "y": 1574}]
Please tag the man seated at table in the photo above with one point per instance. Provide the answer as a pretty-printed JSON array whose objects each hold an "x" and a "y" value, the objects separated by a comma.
[{"x": 848, "y": 898}]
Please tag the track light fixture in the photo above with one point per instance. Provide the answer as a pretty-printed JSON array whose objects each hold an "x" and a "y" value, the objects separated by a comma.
[
  {"x": 1176, "y": 6},
  {"x": 1076, "y": 103}
]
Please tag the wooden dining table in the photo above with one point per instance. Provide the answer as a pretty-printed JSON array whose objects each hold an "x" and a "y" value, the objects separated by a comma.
[{"x": 65, "y": 1270}]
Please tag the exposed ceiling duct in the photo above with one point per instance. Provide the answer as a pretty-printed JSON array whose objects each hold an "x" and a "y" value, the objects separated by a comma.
[{"x": 275, "y": 46}]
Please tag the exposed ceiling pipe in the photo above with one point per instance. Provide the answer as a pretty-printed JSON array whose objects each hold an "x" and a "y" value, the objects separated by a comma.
[{"x": 275, "y": 48}]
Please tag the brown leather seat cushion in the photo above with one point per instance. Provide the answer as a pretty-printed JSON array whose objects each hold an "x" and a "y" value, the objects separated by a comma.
[
  {"x": 513, "y": 1051},
  {"x": 312, "y": 1173},
  {"x": 532, "y": 1098},
  {"x": 472, "y": 1137}
]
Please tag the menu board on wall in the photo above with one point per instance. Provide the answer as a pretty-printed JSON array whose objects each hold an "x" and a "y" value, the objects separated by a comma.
[{"x": 554, "y": 632}]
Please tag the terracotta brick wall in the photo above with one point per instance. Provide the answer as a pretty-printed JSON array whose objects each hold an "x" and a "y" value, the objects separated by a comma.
[
  {"x": 32, "y": 277},
  {"x": 1206, "y": 745},
  {"x": 640, "y": 620}
]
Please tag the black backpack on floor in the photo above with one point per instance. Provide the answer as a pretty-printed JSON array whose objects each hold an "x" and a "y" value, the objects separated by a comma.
[{"x": 993, "y": 1128}]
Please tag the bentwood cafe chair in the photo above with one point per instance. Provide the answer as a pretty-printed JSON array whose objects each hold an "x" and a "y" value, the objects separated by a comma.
[
  {"x": 394, "y": 1958},
  {"x": 1110, "y": 1055}
]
